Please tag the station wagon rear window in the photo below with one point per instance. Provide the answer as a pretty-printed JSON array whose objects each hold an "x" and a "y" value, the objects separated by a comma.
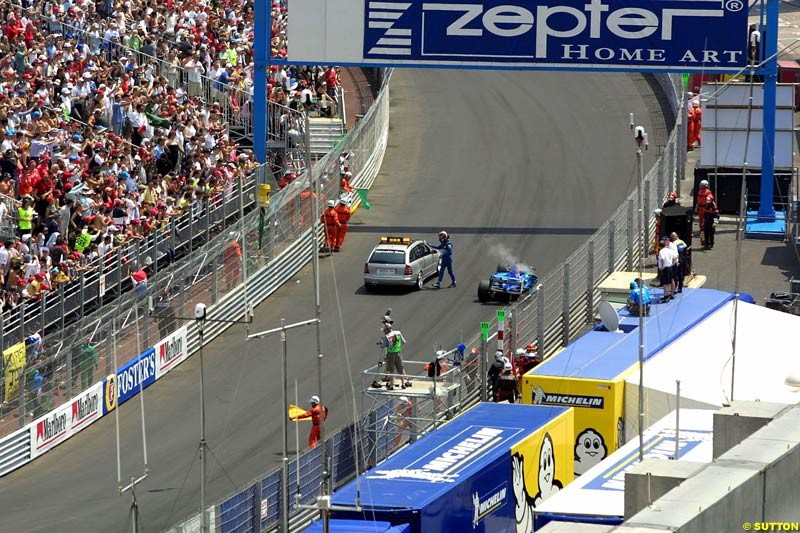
[{"x": 388, "y": 257}]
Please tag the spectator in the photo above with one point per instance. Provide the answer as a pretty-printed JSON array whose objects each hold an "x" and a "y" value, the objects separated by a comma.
[{"x": 94, "y": 136}]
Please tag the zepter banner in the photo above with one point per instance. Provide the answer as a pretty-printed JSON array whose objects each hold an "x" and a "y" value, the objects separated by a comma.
[{"x": 664, "y": 35}]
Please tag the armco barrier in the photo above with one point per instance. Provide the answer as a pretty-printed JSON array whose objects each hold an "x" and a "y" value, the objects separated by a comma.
[
  {"x": 15, "y": 450},
  {"x": 214, "y": 276},
  {"x": 553, "y": 316}
]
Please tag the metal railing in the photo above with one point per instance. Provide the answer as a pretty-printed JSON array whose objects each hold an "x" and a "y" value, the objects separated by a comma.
[
  {"x": 553, "y": 316},
  {"x": 56, "y": 368},
  {"x": 182, "y": 256},
  {"x": 108, "y": 277}
]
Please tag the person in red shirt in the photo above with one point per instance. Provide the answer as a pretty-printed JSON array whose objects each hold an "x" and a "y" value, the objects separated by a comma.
[
  {"x": 317, "y": 414},
  {"x": 700, "y": 203},
  {"x": 697, "y": 125},
  {"x": 331, "y": 79},
  {"x": 28, "y": 178},
  {"x": 344, "y": 183},
  {"x": 344, "y": 214},
  {"x": 331, "y": 220}
]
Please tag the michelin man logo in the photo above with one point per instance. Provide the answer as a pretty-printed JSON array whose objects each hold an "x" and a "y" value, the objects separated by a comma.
[
  {"x": 590, "y": 449},
  {"x": 548, "y": 484},
  {"x": 538, "y": 396},
  {"x": 476, "y": 503},
  {"x": 523, "y": 503}
]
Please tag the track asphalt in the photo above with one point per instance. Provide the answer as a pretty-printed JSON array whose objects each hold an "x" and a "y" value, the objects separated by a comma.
[{"x": 529, "y": 163}]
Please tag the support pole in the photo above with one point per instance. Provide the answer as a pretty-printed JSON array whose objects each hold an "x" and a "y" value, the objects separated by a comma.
[
  {"x": 501, "y": 331},
  {"x": 203, "y": 517},
  {"x": 285, "y": 460},
  {"x": 766, "y": 208},
  {"x": 677, "y": 418},
  {"x": 641, "y": 141},
  {"x": 261, "y": 45},
  {"x": 483, "y": 371},
  {"x": 315, "y": 192}
]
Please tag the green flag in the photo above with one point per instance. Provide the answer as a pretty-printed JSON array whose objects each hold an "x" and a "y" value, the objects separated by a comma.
[
  {"x": 685, "y": 80},
  {"x": 362, "y": 193}
]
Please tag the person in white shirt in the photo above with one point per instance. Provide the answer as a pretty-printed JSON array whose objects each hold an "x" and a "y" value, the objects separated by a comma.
[
  {"x": 4, "y": 258},
  {"x": 667, "y": 258},
  {"x": 31, "y": 266}
]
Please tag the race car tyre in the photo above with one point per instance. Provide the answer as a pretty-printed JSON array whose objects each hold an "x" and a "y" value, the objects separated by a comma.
[
  {"x": 420, "y": 282},
  {"x": 504, "y": 267},
  {"x": 484, "y": 294}
]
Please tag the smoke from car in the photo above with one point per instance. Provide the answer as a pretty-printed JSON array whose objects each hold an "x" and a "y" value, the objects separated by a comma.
[{"x": 505, "y": 256}]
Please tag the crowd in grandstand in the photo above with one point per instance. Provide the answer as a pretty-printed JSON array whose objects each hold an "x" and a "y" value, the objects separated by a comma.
[{"x": 114, "y": 118}]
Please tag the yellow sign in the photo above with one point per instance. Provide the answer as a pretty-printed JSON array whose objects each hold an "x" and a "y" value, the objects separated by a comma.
[
  {"x": 110, "y": 392},
  {"x": 598, "y": 411},
  {"x": 295, "y": 411},
  {"x": 542, "y": 465},
  {"x": 263, "y": 195},
  {"x": 14, "y": 364}
]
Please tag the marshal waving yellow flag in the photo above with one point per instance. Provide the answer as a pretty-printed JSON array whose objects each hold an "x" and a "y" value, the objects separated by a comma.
[
  {"x": 295, "y": 411},
  {"x": 14, "y": 364}
]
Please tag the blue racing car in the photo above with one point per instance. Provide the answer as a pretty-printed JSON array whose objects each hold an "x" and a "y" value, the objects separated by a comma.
[{"x": 508, "y": 283}]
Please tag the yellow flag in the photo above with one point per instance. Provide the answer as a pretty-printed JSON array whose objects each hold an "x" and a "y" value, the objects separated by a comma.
[{"x": 295, "y": 411}]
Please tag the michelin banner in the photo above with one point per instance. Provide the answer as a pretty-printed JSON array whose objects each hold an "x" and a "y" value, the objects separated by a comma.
[
  {"x": 66, "y": 420},
  {"x": 665, "y": 35},
  {"x": 598, "y": 412}
]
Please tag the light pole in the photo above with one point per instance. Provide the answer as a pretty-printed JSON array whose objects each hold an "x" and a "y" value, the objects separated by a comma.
[
  {"x": 315, "y": 222},
  {"x": 200, "y": 318},
  {"x": 285, "y": 390},
  {"x": 640, "y": 137}
]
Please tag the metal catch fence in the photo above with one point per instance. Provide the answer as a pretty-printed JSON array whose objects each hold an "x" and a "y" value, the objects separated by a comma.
[
  {"x": 58, "y": 367},
  {"x": 552, "y": 316}
]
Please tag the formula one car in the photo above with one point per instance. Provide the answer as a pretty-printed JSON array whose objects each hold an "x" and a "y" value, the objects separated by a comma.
[{"x": 508, "y": 283}]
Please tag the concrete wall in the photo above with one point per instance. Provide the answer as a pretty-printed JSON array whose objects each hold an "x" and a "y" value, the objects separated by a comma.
[
  {"x": 757, "y": 480},
  {"x": 708, "y": 502},
  {"x": 653, "y": 478},
  {"x": 736, "y": 422}
]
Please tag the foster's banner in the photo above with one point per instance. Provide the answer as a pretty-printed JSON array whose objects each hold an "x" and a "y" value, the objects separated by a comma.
[
  {"x": 135, "y": 374},
  {"x": 676, "y": 35}
]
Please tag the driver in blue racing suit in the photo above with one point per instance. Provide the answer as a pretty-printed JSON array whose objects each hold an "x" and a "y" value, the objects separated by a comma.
[{"x": 446, "y": 246}]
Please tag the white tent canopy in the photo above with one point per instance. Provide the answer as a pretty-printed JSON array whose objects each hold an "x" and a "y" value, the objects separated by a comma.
[
  {"x": 766, "y": 353},
  {"x": 600, "y": 492}
]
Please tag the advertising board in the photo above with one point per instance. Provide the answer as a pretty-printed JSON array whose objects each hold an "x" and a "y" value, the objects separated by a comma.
[
  {"x": 126, "y": 382},
  {"x": 678, "y": 35},
  {"x": 171, "y": 351},
  {"x": 598, "y": 412},
  {"x": 66, "y": 420}
]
